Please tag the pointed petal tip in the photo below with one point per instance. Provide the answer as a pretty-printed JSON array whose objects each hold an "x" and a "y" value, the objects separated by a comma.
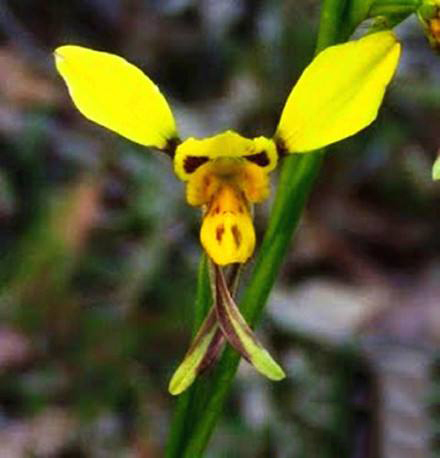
[
  {"x": 278, "y": 375},
  {"x": 175, "y": 388},
  {"x": 181, "y": 380},
  {"x": 266, "y": 365},
  {"x": 276, "y": 372}
]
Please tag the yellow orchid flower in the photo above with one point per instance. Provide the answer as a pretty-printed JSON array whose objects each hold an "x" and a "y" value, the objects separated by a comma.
[{"x": 338, "y": 94}]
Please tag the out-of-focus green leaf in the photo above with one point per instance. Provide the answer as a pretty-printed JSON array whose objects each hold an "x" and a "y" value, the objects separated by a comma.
[{"x": 436, "y": 169}]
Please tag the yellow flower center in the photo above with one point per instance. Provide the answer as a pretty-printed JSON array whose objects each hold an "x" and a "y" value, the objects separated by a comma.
[
  {"x": 226, "y": 188},
  {"x": 225, "y": 175}
]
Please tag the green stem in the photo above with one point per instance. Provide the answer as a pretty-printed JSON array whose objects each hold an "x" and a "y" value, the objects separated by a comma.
[
  {"x": 204, "y": 295},
  {"x": 386, "y": 7},
  {"x": 330, "y": 23},
  {"x": 296, "y": 181},
  {"x": 389, "y": 13},
  {"x": 201, "y": 406},
  {"x": 180, "y": 426},
  {"x": 391, "y": 10}
]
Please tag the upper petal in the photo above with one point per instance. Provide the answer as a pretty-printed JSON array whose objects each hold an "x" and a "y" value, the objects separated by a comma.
[
  {"x": 339, "y": 93},
  {"x": 115, "y": 94},
  {"x": 194, "y": 152}
]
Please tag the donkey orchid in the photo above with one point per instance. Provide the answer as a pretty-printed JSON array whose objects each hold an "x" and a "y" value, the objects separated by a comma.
[{"x": 338, "y": 94}]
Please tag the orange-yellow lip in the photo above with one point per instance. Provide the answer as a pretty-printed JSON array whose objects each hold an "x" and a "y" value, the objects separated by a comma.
[
  {"x": 227, "y": 232},
  {"x": 227, "y": 188}
]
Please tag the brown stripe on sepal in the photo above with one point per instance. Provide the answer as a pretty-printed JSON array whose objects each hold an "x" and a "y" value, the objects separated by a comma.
[
  {"x": 239, "y": 334},
  {"x": 205, "y": 328},
  {"x": 223, "y": 308},
  {"x": 206, "y": 346},
  {"x": 216, "y": 345},
  {"x": 189, "y": 368},
  {"x": 212, "y": 353}
]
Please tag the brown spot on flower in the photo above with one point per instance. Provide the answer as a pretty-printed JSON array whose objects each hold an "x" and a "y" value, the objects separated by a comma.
[
  {"x": 282, "y": 149},
  {"x": 236, "y": 234},
  {"x": 220, "y": 230},
  {"x": 171, "y": 146},
  {"x": 192, "y": 163},
  {"x": 260, "y": 159}
]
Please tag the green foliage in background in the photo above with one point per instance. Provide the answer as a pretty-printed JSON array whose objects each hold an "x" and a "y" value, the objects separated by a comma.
[{"x": 99, "y": 253}]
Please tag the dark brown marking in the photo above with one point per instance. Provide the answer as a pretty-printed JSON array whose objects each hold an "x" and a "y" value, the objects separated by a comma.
[
  {"x": 224, "y": 303},
  {"x": 226, "y": 325},
  {"x": 216, "y": 345},
  {"x": 260, "y": 159},
  {"x": 192, "y": 163},
  {"x": 281, "y": 147},
  {"x": 170, "y": 147},
  {"x": 205, "y": 329},
  {"x": 240, "y": 209},
  {"x": 212, "y": 352},
  {"x": 219, "y": 231},
  {"x": 237, "y": 235}
]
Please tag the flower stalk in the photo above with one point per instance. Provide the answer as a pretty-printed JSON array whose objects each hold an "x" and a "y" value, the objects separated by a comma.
[
  {"x": 226, "y": 174},
  {"x": 393, "y": 7},
  {"x": 296, "y": 181}
]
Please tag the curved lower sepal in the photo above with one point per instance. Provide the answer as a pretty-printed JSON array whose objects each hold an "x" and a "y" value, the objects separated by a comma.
[
  {"x": 239, "y": 334},
  {"x": 201, "y": 354}
]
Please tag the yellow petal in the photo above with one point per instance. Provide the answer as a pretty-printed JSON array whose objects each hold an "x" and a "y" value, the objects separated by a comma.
[
  {"x": 339, "y": 93},
  {"x": 227, "y": 232},
  {"x": 251, "y": 179},
  {"x": 115, "y": 94},
  {"x": 194, "y": 152}
]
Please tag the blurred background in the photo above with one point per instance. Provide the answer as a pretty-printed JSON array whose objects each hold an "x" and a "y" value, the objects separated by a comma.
[{"x": 99, "y": 251}]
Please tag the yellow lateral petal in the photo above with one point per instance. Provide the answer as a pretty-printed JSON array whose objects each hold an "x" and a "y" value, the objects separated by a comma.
[
  {"x": 339, "y": 93},
  {"x": 115, "y": 94},
  {"x": 254, "y": 182}
]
